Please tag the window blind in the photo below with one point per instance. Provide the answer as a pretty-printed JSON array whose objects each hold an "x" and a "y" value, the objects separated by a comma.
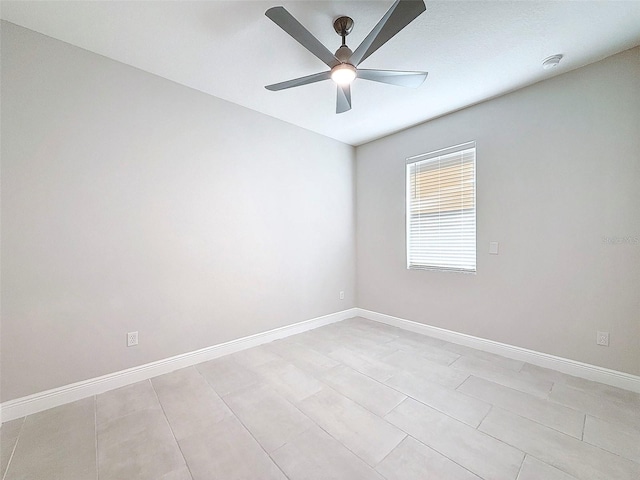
[{"x": 441, "y": 210}]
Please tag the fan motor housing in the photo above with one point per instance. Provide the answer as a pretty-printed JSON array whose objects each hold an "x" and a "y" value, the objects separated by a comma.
[{"x": 344, "y": 54}]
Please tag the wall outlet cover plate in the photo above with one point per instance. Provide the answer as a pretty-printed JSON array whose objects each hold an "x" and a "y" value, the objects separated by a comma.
[
  {"x": 602, "y": 338},
  {"x": 132, "y": 339}
]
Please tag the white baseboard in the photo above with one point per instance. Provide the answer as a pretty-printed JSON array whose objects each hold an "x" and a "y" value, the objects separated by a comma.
[
  {"x": 564, "y": 365},
  {"x": 38, "y": 402}
]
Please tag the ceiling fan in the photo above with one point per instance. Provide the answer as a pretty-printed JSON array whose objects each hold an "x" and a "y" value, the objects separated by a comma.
[{"x": 344, "y": 62}]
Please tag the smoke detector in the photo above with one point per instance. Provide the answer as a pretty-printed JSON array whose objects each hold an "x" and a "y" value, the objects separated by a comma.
[{"x": 551, "y": 62}]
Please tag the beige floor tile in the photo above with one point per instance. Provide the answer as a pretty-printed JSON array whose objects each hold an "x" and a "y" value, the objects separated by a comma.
[
  {"x": 544, "y": 373},
  {"x": 367, "y": 331},
  {"x": 57, "y": 444},
  {"x": 412, "y": 460},
  {"x": 419, "y": 339},
  {"x": 358, "y": 336},
  {"x": 365, "y": 347},
  {"x": 367, "y": 435},
  {"x": 391, "y": 330},
  {"x": 318, "y": 344},
  {"x": 523, "y": 382},
  {"x": 362, "y": 389},
  {"x": 254, "y": 356},
  {"x": 321, "y": 340},
  {"x": 181, "y": 474},
  {"x": 371, "y": 367},
  {"x": 499, "y": 360},
  {"x": 606, "y": 391},
  {"x": 557, "y": 449},
  {"x": 302, "y": 357},
  {"x": 288, "y": 380},
  {"x": 455, "y": 404},
  {"x": 64, "y": 418},
  {"x": 314, "y": 455},
  {"x": 8, "y": 437},
  {"x": 433, "y": 372},
  {"x": 227, "y": 451},
  {"x": 434, "y": 354},
  {"x": 271, "y": 419},
  {"x": 139, "y": 445},
  {"x": 553, "y": 415},
  {"x": 596, "y": 405},
  {"x": 123, "y": 401},
  {"x": 481, "y": 454},
  {"x": 617, "y": 438},
  {"x": 534, "y": 469},
  {"x": 332, "y": 330},
  {"x": 363, "y": 322},
  {"x": 345, "y": 376},
  {"x": 226, "y": 375},
  {"x": 189, "y": 402}
]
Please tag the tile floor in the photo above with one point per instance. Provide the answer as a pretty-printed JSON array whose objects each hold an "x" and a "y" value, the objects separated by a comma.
[{"x": 353, "y": 400}]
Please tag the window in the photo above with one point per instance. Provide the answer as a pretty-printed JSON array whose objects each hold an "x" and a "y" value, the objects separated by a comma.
[{"x": 441, "y": 209}]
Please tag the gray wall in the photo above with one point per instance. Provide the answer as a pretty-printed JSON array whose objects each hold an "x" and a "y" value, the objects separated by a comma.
[
  {"x": 132, "y": 203},
  {"x": 558, "y": 169}
]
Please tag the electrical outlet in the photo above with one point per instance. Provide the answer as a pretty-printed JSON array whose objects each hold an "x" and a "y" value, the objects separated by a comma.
[
  {"x": 132, "y": 339},
  {"x": 603, "y": 339},
  {"x": 341, "y": 295}
]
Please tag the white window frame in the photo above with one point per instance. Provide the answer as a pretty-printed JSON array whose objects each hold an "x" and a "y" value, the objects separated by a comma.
[{"x": 428, "y": 158}]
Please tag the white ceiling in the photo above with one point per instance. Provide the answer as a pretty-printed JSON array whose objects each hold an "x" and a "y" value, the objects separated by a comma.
[{"x": 472, "y": 50}]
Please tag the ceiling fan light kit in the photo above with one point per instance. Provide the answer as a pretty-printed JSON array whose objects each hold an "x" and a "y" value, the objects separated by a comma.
[
  {"x": 343, "y": 74},
  {"x": 344, "y": 63}
]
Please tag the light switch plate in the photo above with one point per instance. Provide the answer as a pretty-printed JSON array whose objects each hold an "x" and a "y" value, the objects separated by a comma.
[{"x": 493, "y": 248}]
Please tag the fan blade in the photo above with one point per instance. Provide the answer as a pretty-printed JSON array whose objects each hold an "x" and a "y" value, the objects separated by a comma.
[
  {"x": 343, "y": 103},
  {"x": 393, "y": 77},
  {"x": 285, "y": 21},
  {"x": 296, "y": 82},
  {"x": 401, "y": 14}
]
